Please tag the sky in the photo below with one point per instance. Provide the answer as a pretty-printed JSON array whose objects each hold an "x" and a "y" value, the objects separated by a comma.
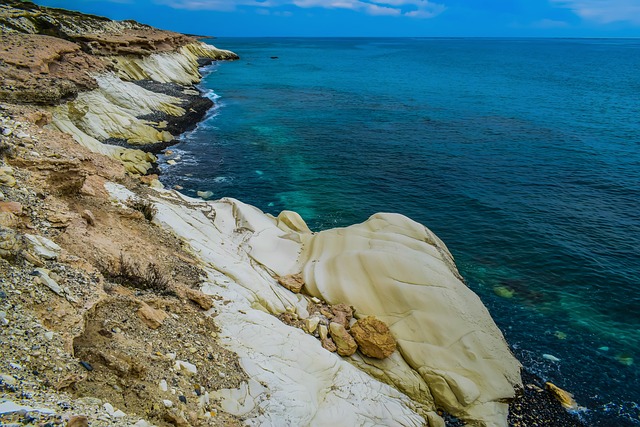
[{"x": 375, "y": 18}]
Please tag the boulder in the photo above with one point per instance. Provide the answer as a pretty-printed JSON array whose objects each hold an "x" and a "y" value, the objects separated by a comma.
[
  {"x": 344, "y": 341},
  {"x": 373, "y": 337}
]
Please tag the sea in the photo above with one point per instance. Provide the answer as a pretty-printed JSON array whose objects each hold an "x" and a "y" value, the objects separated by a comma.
[{"x": 523, "y": 155}]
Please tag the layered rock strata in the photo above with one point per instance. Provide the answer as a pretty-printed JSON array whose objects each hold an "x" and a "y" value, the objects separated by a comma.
[{"x": 90, "y": 68}]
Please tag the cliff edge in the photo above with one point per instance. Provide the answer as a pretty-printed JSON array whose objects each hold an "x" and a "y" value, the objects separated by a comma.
[{"x": 123, "y": 303}]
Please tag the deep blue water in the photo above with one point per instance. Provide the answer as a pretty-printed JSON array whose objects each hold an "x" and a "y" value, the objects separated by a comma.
[{"x": 522, "y": 155}]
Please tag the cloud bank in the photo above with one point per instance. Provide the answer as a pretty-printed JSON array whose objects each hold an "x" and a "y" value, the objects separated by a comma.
[
  {"x": 604, "y": 11},
  {"x": 410, "y": 8}
]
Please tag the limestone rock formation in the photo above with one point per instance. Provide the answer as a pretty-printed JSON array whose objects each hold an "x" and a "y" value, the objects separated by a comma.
[
  {"x": 397, "y": 270},
  {"x": 87, "y": 66},
  {"x": 373, "y": 337}
]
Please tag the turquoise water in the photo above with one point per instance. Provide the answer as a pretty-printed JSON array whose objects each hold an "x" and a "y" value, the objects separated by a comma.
[{"x": 522, "y": 155}]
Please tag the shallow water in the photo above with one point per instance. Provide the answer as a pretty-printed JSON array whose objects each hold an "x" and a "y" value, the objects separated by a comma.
[{"x": 522, "y": 155}]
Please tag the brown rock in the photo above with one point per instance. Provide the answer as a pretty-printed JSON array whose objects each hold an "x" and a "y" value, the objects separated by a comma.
[
  {"x": 198, "y": 297},
  {"x": 88, "y": 216},
  {"x": 328, "y": 344},
  {"x": 564, "y": 397},
  {"x": 78, "y": 421},
  {"x": 11, "y": 207},
  {"x": 293, "y": 282},
  {"x": 151, "y": 317},
  {"x": 342, "y": 314},
  {"x": 344, "y": 342},
  {"x": 7, "y": 219},
  {"x": 148, "y": 179},
  {"x": 373, "y": 337}
]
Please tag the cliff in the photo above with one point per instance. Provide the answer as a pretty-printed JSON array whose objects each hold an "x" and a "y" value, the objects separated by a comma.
[{"x": 123, "y": 303}]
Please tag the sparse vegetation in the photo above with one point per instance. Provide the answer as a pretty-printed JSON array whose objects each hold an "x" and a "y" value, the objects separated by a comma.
[
  {"x": 147, "y": 208},
  {"x": 130, "y": 274}
]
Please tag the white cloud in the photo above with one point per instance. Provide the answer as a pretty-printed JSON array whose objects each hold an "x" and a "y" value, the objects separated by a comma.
[
  {"x": 604, "y": 11},
  {"x": 411, "y": 8}
]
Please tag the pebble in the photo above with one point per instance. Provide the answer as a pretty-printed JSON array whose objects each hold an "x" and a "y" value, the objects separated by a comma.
[
  {"x": 8, "y": 379},
  {"x": 163, "y": 385},
  {"x": 182, "y": 399},
  {"x": 205, "y": 194},
  {"x": 550, "y": 357},
  {"x": 87, "y": 366},
  {"x": 48, "y": 335},
  {"x": 167, "y": 403}
]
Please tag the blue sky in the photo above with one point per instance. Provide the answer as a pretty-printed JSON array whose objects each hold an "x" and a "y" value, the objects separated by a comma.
[{"x": 380, "y": 18}]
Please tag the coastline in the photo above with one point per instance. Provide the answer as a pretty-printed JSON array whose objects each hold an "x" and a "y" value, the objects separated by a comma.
[{"x": 93, "y": 172}]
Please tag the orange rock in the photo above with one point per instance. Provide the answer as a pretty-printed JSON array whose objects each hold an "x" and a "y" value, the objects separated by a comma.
[
  {"x": 203, "y": 300},
  {"x": 78, "y": 421},
  {"x": 342, "y": 313},
  {"x": 564, "y": 397},
  {"x": 293, "y": 282},
  {"x": 328, "y": 344},
  {"x": 151, "y": 317},
  {"x": 373, "y": 337},
  {"x": 11, "y": 207}
]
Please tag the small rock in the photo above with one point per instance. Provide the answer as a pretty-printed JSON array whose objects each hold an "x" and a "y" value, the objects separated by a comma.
[
  {"x": 151, "y": 317},
  {"x": 88, "y": 216},
  {"x": 87, "y": 366},
  {"x": 182, "y": 399},
  {"x": 564, "y": 397},
  {"x": 178, "y": 187},
  {"x": 344, "y": 341},
  {"x": 190, "y": 368},
  {"x": 323, "y": 331},
  {"x": 293, "y": 282},
  {"x": 11, "y": 207},
  {"x": 8, "y": 379},
  {"x": 48, "y": 281},
  {"x": 118, "y": 414},
  {"x": 78, "y": 421},
  {"x": 328, "y": 344},
  {"x": 373, "y": 337},
  {"x": 163, "y": 385},
  {"x": 550, "y": 357},
  {"x": 342, "y": 314},
  {"x": 202, "y": 194},
  {"x": 200, "y": 298},
  {"x": 48, "y": 335},
  {"x": 167, "y": 403},
  {"x": 43, "y": 247},
  {"x": 311, "y": 324},
  {"x": 109, "y": 409},
  {"x": 171, "y": 163}
]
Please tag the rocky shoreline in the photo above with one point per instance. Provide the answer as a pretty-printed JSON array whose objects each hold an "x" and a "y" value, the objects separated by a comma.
[{"x": 125, "y": 304}]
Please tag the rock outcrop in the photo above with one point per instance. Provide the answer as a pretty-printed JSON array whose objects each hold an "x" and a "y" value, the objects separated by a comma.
[{"x": 88, "y": 66}]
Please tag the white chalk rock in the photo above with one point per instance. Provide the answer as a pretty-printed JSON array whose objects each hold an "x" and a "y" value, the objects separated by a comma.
[
  {"x": 293, "y": 380},
  {"x": 397, "y": 270},
  {"x": 43, "y": 247}
]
